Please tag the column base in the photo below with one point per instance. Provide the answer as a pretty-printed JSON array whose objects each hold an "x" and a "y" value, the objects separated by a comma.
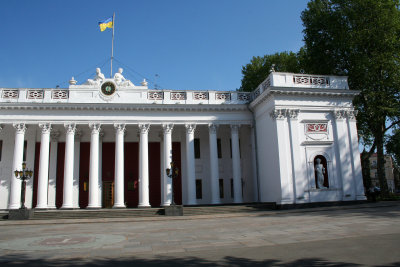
[
  {"x": 14, "y": 207},
  {"x": 93, "y": 207},
  {"x": 120, "y": 206},
  {"x": 144, "y": 206},
  {"x": 40, "y": 208}
]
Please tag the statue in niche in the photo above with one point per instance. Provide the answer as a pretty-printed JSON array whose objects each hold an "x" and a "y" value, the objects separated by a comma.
[
  {"x": 120, "y": 79},
  {"x": 320, "y": 173},
  {"x": 98, "y": 79}
]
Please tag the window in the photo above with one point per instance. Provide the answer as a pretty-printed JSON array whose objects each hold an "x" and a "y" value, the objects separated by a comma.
[
  {"x": 25, "y": 148},
  {"x": 199, "y": 189},
  {"x": 219, "y": 148},
  {"x": 1, "y": 148},
  {"x": 221, "y": 188},
  {"x": 196, "y": 148}
]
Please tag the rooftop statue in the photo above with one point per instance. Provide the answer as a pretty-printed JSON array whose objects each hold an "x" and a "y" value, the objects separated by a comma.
[
  {"x": 120, "y": 79},
  {"x": 98, "y": 79}
]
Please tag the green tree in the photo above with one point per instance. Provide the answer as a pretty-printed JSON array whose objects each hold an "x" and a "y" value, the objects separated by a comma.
[
  {"x": 361, "y": 39},
  {"x": 258, "y": 69}
]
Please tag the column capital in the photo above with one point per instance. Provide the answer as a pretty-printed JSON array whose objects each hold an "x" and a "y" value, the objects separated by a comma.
[
  {"x": 340, "y": 114},
  {"x": 351, "y": 114},
  {"x": 293, "y": 113},
  {"x": 144, "y": 128},
  {"x": 20, "y": 127},
  {"x": 278, "y": 114},
  {"x": 54, "y": 135},
  {"x": 70, "y": 128},
  {"x": 235, "y": 128},
  {"x": 167, "y": 127},
  {"x": 119, "y": 127},
  {"x": 46, "y": 127},
  {"x": 95, "y": 127},
  {"x": 190, "y": 128},
  {"x": 212, "y": 128}
]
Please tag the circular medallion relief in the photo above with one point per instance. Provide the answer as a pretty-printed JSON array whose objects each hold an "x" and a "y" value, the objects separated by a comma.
[{"x": 108, "y": 88}]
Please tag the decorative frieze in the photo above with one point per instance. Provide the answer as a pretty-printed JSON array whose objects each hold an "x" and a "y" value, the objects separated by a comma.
[
  {"x": 223, "y": 96},
  {"x": 310, "y": 80},
  {"x": 35, "y": 94},
  {"x": 200, "y": 95},
  {"x": 154, "y": 95},
  {"x": 316, "y": 127},
  {"x": 59, "y": 94},
  {"x": 10, "y": 94},
  {"x": 178, "y": 95}
]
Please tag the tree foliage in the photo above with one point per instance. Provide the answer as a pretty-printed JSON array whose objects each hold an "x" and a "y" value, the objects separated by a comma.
[
  {"x": 258, "y": 69},
  {"x": 359, "y": 38}
]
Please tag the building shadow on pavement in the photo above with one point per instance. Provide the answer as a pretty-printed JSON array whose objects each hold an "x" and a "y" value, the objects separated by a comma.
[{"x": 20, "y": 260}]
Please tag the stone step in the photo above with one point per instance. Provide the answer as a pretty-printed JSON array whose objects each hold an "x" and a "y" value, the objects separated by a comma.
[{"x": 144, "y": 212}]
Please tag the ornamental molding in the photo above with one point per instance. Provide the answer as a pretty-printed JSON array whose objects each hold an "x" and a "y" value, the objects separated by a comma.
[
  {"x": 20, "y": 127},
  {"x": 46, "y": 127},
  {"x": 293, "y": 113},
  {"x": 352, "y": 114},
  {"x": 278, "y": 114}
]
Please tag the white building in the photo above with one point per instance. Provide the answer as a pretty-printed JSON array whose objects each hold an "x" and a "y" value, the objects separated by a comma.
[{"x": 107, "y": 143}]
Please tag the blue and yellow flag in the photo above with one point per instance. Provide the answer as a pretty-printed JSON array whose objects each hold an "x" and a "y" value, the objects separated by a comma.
[{"x": 107, "y": 23}]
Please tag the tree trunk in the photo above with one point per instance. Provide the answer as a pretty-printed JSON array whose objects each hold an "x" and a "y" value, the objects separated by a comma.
[
  {"x": 381, "y": 162},
  {"x": 366, "y": 170}
]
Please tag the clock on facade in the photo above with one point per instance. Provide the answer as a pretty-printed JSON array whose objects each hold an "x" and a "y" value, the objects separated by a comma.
[{"x": 108, "y": 88}]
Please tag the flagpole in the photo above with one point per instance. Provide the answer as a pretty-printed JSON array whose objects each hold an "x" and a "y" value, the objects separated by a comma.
[{"x": 112, "y": 45}]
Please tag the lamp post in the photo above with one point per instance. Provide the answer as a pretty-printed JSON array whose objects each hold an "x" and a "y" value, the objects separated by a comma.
[
  {"x": 23, "y": 175},
  {"x": 172, "y": 173}
]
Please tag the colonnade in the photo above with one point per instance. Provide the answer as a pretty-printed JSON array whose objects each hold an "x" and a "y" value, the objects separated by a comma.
[{"x": 94, "y": 199}]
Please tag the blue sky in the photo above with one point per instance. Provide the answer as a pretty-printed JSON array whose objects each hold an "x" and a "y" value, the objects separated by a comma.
[{"x": 189, "y": 45}]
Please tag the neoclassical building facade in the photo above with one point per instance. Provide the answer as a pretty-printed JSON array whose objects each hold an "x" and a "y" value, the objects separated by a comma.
[{"x": 106, "y": 143}]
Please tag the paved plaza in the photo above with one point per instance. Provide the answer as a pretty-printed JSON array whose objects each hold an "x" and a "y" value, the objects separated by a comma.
[{"x": 358, "y": 235}]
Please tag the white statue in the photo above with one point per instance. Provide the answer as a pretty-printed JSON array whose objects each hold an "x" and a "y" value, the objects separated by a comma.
[
  {"x": 320, "y": 171},
  {"x": 120, "y": 79},
  {"x": 98, "y": 79}
]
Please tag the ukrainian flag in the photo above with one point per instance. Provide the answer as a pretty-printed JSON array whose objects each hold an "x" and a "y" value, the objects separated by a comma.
[{"x": 107, "y": 23}]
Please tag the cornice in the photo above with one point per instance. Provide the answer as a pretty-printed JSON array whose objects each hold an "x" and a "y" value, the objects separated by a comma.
[
  {"x": 274, "y": 91},
  {"x": 124, "y": 107}
]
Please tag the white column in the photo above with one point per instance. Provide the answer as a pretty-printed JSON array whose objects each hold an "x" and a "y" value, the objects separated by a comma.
[
  {"x": 256, "y": 192},
  {"x": 15, "y": 192},
  {"x": 167, "y": 182},
  {"x": 190, "y": 164},
  {"x": 101, "y": 135},
  {"x": 144, "y": 166},
  {"x": 69, "y": 166},
  {"x": 119, "y": 167},
  {"x": 43, "y": 180},
  {"x": 355, "y": 159},
  {"x": 343, "y": 154},
  {"x": 94, "y": 167},
  {"x": 214, "y": 172},
  {"x": 51, "y": 201},
  {"x": 236, "y": 168}
]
